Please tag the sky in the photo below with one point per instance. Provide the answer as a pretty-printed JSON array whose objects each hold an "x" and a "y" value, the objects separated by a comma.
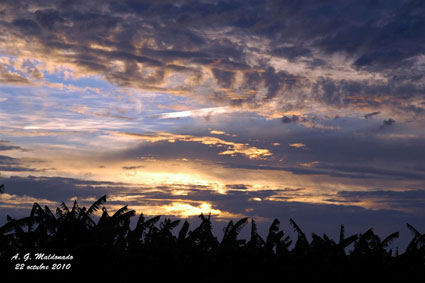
[{"x": 313, "y": 110}]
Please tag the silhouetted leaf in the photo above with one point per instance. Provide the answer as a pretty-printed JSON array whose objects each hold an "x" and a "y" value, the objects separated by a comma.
[
  {"x": 64, "y": 207},
  {"x": 120, "y": 212},
  {"x": 341, "y": 233},
  {"x": 297, "y": 229},
  {"x": 389, "y": 239},
  {"x": 413, "y": 230},
  {"x": 240, "y": 225},
  {"x": 348, "y": 241},
  {"x": 183, "y": 231},
  {"x": 96, "y": 205}
]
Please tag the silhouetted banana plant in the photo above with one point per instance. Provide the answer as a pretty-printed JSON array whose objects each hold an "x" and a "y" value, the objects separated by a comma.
[
  {"x": 75, "y": 229},
  {"x": 301, "y": 245},
  {"x": 165, "y": 232},
  {"x": 345, "y": 242},
  {"x": 202, "y": 236},
  {"x": 255, "y": 242},
  {"x": 139, "y": 235},
  {"x": 417, "y": 244},
  {"x": 274, "y": 235},
  {"x": 231, "y": 232},
  {"x": 183, "y": 233},
  {"x": 369, "y": 244}
]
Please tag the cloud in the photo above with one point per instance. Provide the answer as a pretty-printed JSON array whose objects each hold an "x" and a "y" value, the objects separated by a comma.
[
  {"x": 215, "y": 132},
  {"x": 262, "y": 75},
  {"x": 10, "y": 164},
  {"x": 237, "y": 187},
  {"x": 310, "y": 164},
  {"x": 18, "y": 71},
  {"x": 230, "y": 148},
  {"x": 287, "y": 120},
  {"x": 298, "y": 145},
  {"x": 240, "y": 200},
  {"x": 233, "y": 200},
  {"x": 389, "y": 122},
  {"x": 244, "y": 55},
  {"x": 16, "y": 203},
  {"x": 339, "y": 171},
  {"x": 205, "y": 112},
  {"x": 404, "y": 200},
  {"x": 132, "y": 167},
  {"x": 10, "y": 77},
  {"x": 376, "y": 172},
  {"x": 309, "y": 121},
  {"x": 159, "y": 200},
  {"x": 369, "y": 115},
  {"x": 5, "y": 145},
  {"x": 55, "y": 188}
]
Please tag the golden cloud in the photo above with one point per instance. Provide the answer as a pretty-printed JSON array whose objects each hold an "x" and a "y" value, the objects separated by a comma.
[
  {"x": 309, "y": 164},
  {"x": 298, "y": 145},
  {"x": 232, "y": 148}
]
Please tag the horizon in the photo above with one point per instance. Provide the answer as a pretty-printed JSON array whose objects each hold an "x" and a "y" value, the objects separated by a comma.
[{"x": 264, "y": 109}]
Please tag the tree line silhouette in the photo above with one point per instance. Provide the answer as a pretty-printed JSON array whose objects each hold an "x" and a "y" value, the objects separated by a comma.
[{"x": 109, "y": 248}]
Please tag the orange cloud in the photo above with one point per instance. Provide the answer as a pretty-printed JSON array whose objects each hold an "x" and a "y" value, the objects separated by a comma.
[
  {"x": 298, "y": 145},
  {"x": 309, "y": 164}
]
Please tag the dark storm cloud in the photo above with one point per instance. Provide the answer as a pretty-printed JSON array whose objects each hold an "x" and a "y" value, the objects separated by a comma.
[{"x": 382, "y": 38}]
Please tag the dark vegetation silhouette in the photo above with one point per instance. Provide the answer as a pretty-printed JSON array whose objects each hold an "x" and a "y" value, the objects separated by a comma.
[{"x": 107, "y": 248}]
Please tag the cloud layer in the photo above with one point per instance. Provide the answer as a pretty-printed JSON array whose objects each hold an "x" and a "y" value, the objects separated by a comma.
[{"x": 266, "y": 55}]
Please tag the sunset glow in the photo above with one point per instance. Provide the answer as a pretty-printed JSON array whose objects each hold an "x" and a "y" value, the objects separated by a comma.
[{"x": 233, "y": 108}]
